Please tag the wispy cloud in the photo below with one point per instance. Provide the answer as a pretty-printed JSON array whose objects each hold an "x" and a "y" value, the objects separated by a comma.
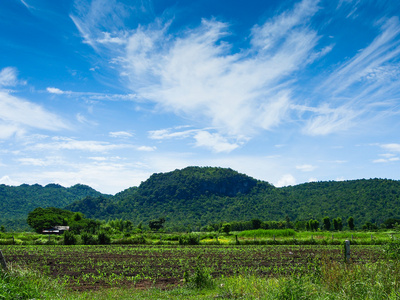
[
  {"x": 18, "y": 115},
  {"x": 8, "y": 77},
  {"x": 121, "y": 134},
  {"x": 354, "y": 90},
  {"x": 93, "y": 95},
  {"x": 306, "y": 168},
  {"x": 63, "y": 143},
  {"x": 196, "y": 73},
  {"x": 203, "y": 138}
]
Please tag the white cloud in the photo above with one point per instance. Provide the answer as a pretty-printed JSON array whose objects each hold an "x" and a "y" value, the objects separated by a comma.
[
  {"x": 8, "y": 77},
  {"x": 53, "y": 90},
  {"x": 214, "y": 141},
  {"x": 169, "y": 133},
  {"x": 386, "y": 160},
  {"x": 121, "y": 134},
  {"x": 203, "y": 138},
  {"x": 146, "y": 148},
  {"x": 18, "y": 114},
  {"x": 391, "y": 147},
  {"x": 72, "y": 144},
  {"x": 196, "y": 74},
  {"x": 353, "y": 90},
  {"x": 306, "y": 168},
  {"x": 286, "y": 180},
  {"x": 8, "y": 181}
]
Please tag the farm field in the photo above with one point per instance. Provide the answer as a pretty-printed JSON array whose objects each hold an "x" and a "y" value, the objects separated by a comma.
[{"x": 96, "y": 267}]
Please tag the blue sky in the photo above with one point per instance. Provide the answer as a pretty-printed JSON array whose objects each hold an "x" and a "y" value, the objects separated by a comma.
[{"x": 107, "y": 92}]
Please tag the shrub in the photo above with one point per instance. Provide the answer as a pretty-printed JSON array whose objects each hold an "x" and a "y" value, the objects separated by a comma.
[
  {"x": 201, "y": 278},
  {"x": 88, "y": 239},
  {"x": 189, "y": 239},
  {"x": 103, "y": 239},
  {"x": 69, "y": 238}
]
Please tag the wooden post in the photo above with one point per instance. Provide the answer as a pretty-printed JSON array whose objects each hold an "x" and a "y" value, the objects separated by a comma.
[
  {"x": 2, "y": 260},
  {"x": 237, "y": 241},
  {"x": 274, "y": 237},
  {"x": 347, "y": 251}
]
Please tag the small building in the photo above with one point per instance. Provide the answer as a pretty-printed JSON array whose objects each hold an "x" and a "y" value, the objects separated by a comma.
[{"x": 55, "y": 230}]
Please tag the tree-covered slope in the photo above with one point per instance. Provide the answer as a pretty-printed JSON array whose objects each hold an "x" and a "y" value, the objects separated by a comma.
[
  {"x": 17, "y": 202},
  {"x": 197, "y": 196}
]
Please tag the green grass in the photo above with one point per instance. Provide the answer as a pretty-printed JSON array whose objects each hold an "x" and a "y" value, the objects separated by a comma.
[
  {"x": 17, "y": 283},
  {"x": 332, "y": 281},
  {"x": 329, "y": 280},
  {"x": 270, "y": 233}
]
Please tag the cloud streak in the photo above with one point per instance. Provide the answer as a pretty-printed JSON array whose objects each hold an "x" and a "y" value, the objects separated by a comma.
[{"x": 197, "y": 74}]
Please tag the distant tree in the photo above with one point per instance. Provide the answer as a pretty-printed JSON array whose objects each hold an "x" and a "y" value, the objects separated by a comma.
[
  {"x": 288, "y": 223},
  {"x": 391, "y": 223},
  {"x": 369, "y": 226},
  {"x": 256, "y": 223},
  {"x": 327, "y": 223},
  {"x": 313, "y": 224},
  {"x": 69, "y": 238},
  {"x": 226, "y": 228},
  {"x": 350, "y": 222},
  {"x": 103, "y": 238},
  {"x": 42, "y": 218},
  {"x": 2, "y": 228},
  {"x": 157, "y": 224},
  {"x": 338, "y": 224}
]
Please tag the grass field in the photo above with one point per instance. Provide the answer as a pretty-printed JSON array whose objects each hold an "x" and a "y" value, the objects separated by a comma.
[{"x": 158, "y": 270}]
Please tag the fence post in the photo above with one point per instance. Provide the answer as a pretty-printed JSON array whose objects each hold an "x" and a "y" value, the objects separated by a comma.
[
  {"x": 347, "y": 251},
  {"x": 2, "y": 260}
]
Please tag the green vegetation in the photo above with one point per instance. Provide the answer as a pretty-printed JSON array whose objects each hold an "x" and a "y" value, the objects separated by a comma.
[
  {"x": 17, "y": 202},
  {"x": 201, "y": 272},
  {"x": 195, "y": 197}
]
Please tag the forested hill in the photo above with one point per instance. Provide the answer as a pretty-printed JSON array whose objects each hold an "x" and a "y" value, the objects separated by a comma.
[
  {"x": 17, "y": 201},
  {"x": 197, "y": 196}
]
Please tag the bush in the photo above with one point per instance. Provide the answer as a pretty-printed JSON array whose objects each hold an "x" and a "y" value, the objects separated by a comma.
[
  {"x": 88, "y": 239},
  {"x": 69, "y": 238},
  {"x": 103, "y": 239},
  {"x": 392, "y": 250},
  {"x": 189, "y": 239},
  {"x": 201, "y": 278}
]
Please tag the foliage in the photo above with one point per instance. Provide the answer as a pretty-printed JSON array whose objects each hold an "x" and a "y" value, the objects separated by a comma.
[
  {"x": 69, "y": 238},
  {"x": 103, "y": 238},
  {"x": 157, "y": 224},
  {"x": 88, "y": 239},
  {"x": 196, "y": 197},
  {"x": 350, "y": 222},
  {"x": 43, "y": 218},
  {"x": 17, "y": 201},
  {"x": 189, "y": 239},
  {"x": 226, "y": 228},
  {"x": 327, "y": 223},
  {"x": 200, "y": 279}
]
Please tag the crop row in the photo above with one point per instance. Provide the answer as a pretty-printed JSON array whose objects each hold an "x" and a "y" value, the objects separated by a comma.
[{"x": 86, "y": 267}]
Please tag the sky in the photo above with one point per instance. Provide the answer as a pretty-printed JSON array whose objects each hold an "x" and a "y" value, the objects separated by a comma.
[{"x": 108, "y": 92}]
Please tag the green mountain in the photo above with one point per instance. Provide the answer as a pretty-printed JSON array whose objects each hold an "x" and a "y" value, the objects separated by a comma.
[
  {"x": 197, "y": 196},
  {"x": 17, "y": 202}
]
